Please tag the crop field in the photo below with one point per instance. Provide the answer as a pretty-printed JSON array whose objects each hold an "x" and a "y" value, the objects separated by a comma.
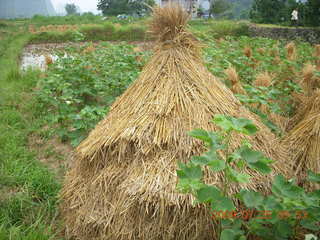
[{"x": 44, "y": 115}]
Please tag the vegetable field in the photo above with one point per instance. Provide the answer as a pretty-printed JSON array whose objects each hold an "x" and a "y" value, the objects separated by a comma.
[{"x": 45, "y": 115}]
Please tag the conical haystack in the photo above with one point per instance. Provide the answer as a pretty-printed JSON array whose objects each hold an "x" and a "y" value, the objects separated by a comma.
[
  {"x": 303, "y": 140},
  {"x": 123, "y": 184}
]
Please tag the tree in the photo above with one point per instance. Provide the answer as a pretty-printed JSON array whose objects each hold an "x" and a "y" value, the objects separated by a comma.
[
  {"x": 71, "y": 9},
  {"x": 115, "y": 7},
  {"x": 219, "y": 7},
  {"x": 312, "y": 13},
  {"x": 268, "y": 11}
]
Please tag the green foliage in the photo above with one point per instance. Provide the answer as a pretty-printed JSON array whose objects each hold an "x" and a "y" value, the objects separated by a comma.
[
  {"x": 56, "y": 37},
  {"x": 115, "y": 7},
  {"x": 288, "y": 210},
  {"x": 267, "y": 11},
  {"x": 79, "y": 87},
  {"x": 279, "y": 12},
  {"x": 218, "y": 29},
  {"x": 85, "y": 18},
  {"x": 220, "y": 55},
  {"x": 28, "y": 189},
  {"x": 97, "y": 32},
  {"x": 311, "y": 13}
]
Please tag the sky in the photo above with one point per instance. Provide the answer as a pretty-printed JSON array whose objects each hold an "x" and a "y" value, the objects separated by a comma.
[{"x": 85, "y": 5}]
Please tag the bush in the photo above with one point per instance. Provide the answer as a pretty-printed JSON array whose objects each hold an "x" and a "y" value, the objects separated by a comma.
[
  {"x": 131, "y": 33},
  {"x": 228, "y": 28}
]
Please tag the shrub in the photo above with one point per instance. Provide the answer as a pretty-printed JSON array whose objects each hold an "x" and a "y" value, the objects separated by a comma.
[
  {"x": 131, "y": 33},
  {"x": 54, "y": 36},
  {"x": 93, "y": 32}
]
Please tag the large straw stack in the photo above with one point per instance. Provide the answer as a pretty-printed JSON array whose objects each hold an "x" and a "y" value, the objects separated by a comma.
[
  {"x": 123, "y": 184},
  {"x": 304, "y": 139}
]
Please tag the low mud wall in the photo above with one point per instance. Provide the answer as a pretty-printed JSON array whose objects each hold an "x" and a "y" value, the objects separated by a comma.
[{"x": 305, "y": 34}]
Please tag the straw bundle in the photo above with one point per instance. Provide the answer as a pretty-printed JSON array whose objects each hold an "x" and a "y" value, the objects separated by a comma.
[
  {"x": 263, "y": 80},
  {"x": 247, "y": 52},
  {"x": 304, "y": 140},
  {"x": 233, "y": 77},
  {"x": 262, "y": 51},
  {"x": 291, "y": 51},
  {"x": 306, "y": 104},
  {"x": 317, "y": 55},
  {"x": 122, "y": 185},
  {"x": 308, "y": 81}
]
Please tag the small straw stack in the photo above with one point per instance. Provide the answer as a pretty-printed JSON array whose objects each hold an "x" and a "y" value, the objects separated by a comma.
[
  {"x": 291, "y": 51},
  {"x": 265, "y": 80},
  {"x": 123, "y": 183},
  {"x": 308, "y": 81},
  {"x": 317, "y": 55},
  {"x": 309, "y": 84},
  {"x": 247, "y": 52},
  {"x": 233, "y": 77}
]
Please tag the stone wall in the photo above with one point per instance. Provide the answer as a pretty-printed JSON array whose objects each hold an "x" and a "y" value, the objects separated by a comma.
[{"x": 305, "y": 34}]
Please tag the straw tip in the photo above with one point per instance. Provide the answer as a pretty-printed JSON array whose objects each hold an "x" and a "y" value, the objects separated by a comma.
[{"x": 168, "y": 21}]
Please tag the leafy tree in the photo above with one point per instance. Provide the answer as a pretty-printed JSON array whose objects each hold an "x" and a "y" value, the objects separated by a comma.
[
  {"x": 71, "y": 9},
  {"x": 268, "y": 11},
  {"x": 219, "y": 7},
  {"x": 312, "y": 13},
  {"x": 115, "y": 7}
]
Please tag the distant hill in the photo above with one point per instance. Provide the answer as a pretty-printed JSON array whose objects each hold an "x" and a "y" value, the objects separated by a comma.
[{"x": 25, "y": 8}]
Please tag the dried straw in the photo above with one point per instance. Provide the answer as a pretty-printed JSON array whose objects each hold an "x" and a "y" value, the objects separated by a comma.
[
  {"x": 291, "y": 51},
  {"x": 262, "y": 51},
  {"x": 263, "y": 80},
  {"x": 317, "y": 55},
  {"x": 48, "y": 59},
  {"x": 304, "y": 141},
  {"x": 123, "y": 184},
  {"x": 247, "y": 51},
  {"x": 308, "y": 81},
  {"x": 233, "y": 77}
]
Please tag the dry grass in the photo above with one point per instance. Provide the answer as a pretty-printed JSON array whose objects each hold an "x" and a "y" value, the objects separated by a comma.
[
  {"x": 233, "y": 77},
  {"x": 123, "y": 184},
  {"x": 291, "y": 51}
]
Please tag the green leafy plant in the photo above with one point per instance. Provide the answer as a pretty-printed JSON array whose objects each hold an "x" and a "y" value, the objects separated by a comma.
[
  {"x": 78, "y": 88},
  {"x": 281, "y": 207}
]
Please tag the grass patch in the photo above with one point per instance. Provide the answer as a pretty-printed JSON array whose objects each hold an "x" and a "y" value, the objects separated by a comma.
[{"x": 28, "y": 197}]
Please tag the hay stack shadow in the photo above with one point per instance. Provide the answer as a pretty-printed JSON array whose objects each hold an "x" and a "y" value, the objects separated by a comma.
[{"x": 123, "y": 183}]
